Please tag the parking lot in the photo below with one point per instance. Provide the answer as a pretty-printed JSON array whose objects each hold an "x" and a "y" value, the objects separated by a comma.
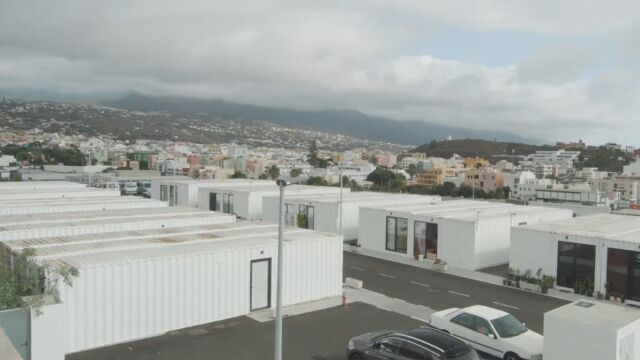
[{"x": 321, "y": 335}]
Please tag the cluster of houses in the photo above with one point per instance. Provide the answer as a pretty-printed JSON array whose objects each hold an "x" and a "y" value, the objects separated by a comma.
[{"x": 202, "y": 251}]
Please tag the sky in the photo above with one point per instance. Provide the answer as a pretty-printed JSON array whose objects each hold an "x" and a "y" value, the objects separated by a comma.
[{"x": 553, "y": 70}]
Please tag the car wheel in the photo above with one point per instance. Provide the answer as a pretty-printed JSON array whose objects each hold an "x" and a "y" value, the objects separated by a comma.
[
  {"x": 511, "y": 356},
  {"x": 356, "y": 357}
]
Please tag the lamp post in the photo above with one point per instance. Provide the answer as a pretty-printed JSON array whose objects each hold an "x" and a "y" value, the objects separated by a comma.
[
  {"x": 340, "y": 218},
  {"x": 278, "y": 338}
]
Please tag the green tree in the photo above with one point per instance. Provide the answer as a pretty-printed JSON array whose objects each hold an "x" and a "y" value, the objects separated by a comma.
[
  {"x": 295, "y": 172},
  {"x": 412, "y": 170},
  {"x": 499, "y": 193},
  {"x": 386, "y": 180},
  {"x": 144, "y": 165},
  {"x": 446, "y": 189},
  {"x": 263, "y": 176},
  {"x": 274, "y": 172},
  {"x": 317, "y": 180},
  {"x": 302, "y": 220},
  {"x": 238, "y": 175}
]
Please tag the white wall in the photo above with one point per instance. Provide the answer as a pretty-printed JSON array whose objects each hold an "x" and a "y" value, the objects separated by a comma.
[
  {"x": 113, "y": 303},
  {"x": 564, "y": 340},
  {"x": 48, "y": 332},
  {"x": 628, "y": 342}
]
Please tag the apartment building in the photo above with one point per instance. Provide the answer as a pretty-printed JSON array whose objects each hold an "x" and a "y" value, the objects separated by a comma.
[{"x": 627, "y": 185}]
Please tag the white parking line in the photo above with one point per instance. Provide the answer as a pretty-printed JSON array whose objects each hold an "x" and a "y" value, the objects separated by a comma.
[
  {"x": 357, "y": 268},
  {"x": 419, "y": 319},
  {"x": 507, "y": 306},
  {"x": 419, "y": 284},
  {"x": 387, "y": 275},
  {"x": 457, "y": 293}
]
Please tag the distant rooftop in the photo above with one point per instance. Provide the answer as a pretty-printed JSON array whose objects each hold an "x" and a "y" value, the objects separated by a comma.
[
  {"x": 466, "y": 210},
  {"x": 606, "y": 226},
  {"x": 362, "y": 197}
]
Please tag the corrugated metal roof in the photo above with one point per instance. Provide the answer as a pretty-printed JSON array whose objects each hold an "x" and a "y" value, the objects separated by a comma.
[
  {"x": 365, "y": 197},
  {"x": 17, "y": 222},
  {"x": 607, "y": 226},
  {"x": 82, "y": 251},
  {"x": 467, "y": 210}
]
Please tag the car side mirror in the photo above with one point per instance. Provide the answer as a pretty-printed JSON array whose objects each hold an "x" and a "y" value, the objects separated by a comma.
[{"x": 492, "y": 336}]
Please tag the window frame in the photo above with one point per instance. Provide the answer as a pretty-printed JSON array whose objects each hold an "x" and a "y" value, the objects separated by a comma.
[{"x": 396, "y": 236}]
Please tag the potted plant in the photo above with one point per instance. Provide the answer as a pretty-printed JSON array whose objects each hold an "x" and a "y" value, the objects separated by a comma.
[
  {"x": 439, "y": 265},
  {"x": 529, "y": 283},
  {"x": 607, "y": 294},
  {"x": 547, "y": 283}
]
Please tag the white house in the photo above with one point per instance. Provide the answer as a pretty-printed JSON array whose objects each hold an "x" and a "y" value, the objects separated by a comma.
[
  {"x": 600, "y": 251},
  {"x": 246, "y": 201},
  {"x": 322, "y": 212},
  {"x": 466, "y": 234},
  {"x": 590, "y": 330},
  {"x": 185, "y": 192}
]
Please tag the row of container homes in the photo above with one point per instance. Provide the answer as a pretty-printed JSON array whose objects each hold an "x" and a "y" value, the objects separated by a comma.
[
  {"x": 149, "y": 270},
  {"x": 322, "y": 212},
  {"x": 598, "y": 252},
  {"x": 463, "y": 233},
  {"x": 185, "y": 192}
]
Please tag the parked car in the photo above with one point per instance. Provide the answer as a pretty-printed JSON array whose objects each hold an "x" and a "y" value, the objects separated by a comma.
[
  {"x": 129, "y": 188},
  {"x": 419, "y": 344},
  {"x": 144, "y": 188},
  {"x": 491, "y": 331}
]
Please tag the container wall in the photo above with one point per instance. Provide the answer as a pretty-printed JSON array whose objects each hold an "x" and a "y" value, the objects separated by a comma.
[
  {"x": 492, "y": 243},
  {"x": 372, "y": 229},
  {"x": 628, "y": 342},
  {"x": 270, "y": 206},
  {"x": 533, "y": 250},
  {"x": 121, "y": 302},
  {"x": 564, "y": 339},
  {"x": 455, "y": 242}
]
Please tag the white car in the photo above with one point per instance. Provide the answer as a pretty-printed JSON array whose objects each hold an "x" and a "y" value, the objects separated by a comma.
[{"x": 491, "y": 331}]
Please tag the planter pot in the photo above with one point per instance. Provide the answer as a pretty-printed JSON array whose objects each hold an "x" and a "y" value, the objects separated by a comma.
[
  {"x": 529, "y": 286},
  {"x": 439, "y": 267}
]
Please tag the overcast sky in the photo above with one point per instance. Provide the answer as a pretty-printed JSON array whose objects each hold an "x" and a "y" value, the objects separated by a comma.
[{"x": 551, "y": 69}]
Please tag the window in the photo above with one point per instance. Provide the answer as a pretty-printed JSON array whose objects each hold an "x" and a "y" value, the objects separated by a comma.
[
  {"x": 391, "y": 345},
  {"x": 163, "y": 192},
  {"x": 508, "y": 326},
  {"x": 426, "y": 238},
  {"x": 306, "y": 214},
  {"x": 466, "y": 320},
  {"x": 173, "y": 195},
  {"x": 623, "y": 273},
  {"x": 576, "y": 262},
  {"x": 413, "y": 351},
  {"x": 290, "y": 215},
  {"x": 397, "y": 234},
  {"x": 227, "y": 203}
]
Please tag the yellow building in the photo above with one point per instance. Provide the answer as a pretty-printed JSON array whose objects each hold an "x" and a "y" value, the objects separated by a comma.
[
  {"x": 475, "y": 163},
  {"x": 435, "y": 177}
]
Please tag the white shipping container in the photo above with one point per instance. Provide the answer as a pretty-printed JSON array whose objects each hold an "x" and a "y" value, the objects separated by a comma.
[
  {"x": 36, "y": 185},
  {"x": 536, "y": 246},
  {"x": 326, "y": 208},
  {"x": 58, "y": 193},
  {"x": 589, "y": 330},
  {"x": 89, "y": 204},
  {"x": 247, "y": 200},
  {"x": 185, "y": 192},
  {"x": 105, "y": 223},
  {"x": 164, "y": 283},
  {"x": 468, "y": 234}
]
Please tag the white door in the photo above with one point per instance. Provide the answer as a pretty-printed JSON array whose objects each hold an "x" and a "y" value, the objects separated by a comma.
[{"x": 260, "y": 284}]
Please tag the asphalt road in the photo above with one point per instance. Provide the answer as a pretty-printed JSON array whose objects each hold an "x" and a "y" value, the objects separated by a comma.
[
  {"x": 320, "y": 335},
  {"x": 440, "y": 290}
]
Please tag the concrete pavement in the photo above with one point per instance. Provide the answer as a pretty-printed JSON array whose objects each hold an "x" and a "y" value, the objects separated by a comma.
[{"x": 439, "y": 291}]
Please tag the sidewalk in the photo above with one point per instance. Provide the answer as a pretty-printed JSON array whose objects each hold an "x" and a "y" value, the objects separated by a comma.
[{"x": 468, "y": 274}]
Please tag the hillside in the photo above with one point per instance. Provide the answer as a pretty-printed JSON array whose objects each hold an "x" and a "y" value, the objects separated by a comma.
[
  {"x": 347, "y": 122},
  {"x": 476, "y": 147}
]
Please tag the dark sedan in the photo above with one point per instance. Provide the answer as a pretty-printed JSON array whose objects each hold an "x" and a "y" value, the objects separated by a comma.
[{"x": 419, "y": 344}]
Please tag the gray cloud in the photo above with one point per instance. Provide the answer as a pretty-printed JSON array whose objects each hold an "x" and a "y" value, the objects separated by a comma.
[{"x": 336, "y": 54}]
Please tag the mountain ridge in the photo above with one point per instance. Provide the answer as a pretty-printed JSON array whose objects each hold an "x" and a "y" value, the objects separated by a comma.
[{"x": 347, "y": 121}]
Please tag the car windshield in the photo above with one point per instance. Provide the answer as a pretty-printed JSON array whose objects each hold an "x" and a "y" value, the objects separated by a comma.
[
  {"x": 508, "y": 326},
  {"x": 471, "y": 355}
]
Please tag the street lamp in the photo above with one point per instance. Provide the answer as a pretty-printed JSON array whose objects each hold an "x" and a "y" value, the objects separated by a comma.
[{"x": 278, "y": 338}]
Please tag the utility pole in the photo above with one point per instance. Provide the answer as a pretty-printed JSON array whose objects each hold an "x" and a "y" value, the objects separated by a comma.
[
  {"x": 340, "y": 218},
  {"x": 278, "y": 336}
]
